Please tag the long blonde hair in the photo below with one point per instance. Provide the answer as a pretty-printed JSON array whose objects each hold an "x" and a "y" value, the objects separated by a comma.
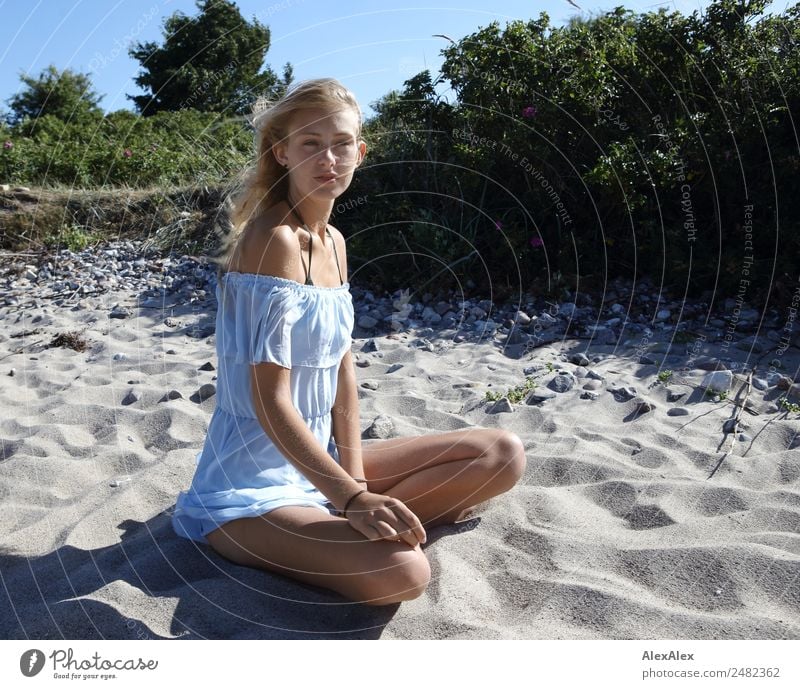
[{"x": 266, "y": 182}]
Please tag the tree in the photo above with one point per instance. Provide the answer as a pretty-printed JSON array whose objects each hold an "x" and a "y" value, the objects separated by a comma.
[
  {"x": 66, "y": 95},
  {"x": 210, "y": 62}
]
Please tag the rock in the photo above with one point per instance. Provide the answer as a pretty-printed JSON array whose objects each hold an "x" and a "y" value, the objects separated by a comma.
[
  {"x": 131, "y": 397},
  {"x": 675, "y": 395},
  {"x": 760, "y": 383},
  {"x": 717, "y": 381},
  {"x": 784, "y": 383},
  {"x": 732, "y": 426},
  {"x": 206, "y": 391},
  {"x": 592, "y": 385},
  {"x": 567, "y": 309},
  {"x": 589, "y": 395},
  {"x": 623, "y": 394},
  {"x": 370, "y": 346},
  {"x": 171, "y": 395},
  {"x": 580, "y": 372},
  {"x": 367, "y": 322},
  {"x": 773, "y": 378},
  {"x": 647, "y": 360},
  {"x": 501, "y": 405},
  {"x": 381, "y": 427},
  {"x": 119, "y": 312},
  {"x": 678, "y": 411},
  {"x": 539, "y": 396},
  {"x": 579, "y": 359},
  {"x": 208, "y": 366},
  {"x": 594, "y": 375},
  {"x": 663, "y": 315},
  {"x": 642, "y": 406},
  {"x": 562, "y": 382},
  {"x": 515, "y": 336}
]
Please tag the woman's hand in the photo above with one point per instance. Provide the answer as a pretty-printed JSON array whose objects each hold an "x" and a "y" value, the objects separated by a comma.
[{"x": 381, "y": 517}]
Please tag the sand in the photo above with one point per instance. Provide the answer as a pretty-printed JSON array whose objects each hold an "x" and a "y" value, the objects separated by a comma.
[{"x": 616, "y": 530}]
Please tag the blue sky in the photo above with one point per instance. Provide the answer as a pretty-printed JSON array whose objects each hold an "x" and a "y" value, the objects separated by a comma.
[{"x": 372, "y": 47}]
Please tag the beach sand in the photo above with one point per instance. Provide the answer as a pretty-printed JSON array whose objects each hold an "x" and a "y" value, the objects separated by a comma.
[{"x": 616, "y": 530}]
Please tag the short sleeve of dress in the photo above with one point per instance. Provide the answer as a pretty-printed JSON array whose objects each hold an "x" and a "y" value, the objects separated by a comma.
[{"x": 263, "y": 316}]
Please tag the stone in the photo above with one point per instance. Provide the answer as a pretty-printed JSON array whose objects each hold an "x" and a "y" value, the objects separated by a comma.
[
  {"x": 131, "y": 397},
  {"x": 678, "y": 411},
  {"x": 206, "y": 391},
  {"x": 675, "y": 395},
  {"x": 539, "y": 396},
  {"x": 579, "y": 359},
  {"x": 717, "y": 381},
  {"x": 562, "y": 382},
  {"x": 381, "y": 427},
  {"x": 501, "y": 405}
]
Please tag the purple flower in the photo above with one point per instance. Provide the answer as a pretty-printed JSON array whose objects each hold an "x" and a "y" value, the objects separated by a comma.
[
  {"x": 127, "y": 153},
  {"x": 498, "y": 224},
  {"x": 8, "y": 144},
  {"x": 536, "y": 242},
  {"x": 529, "y": 111}
]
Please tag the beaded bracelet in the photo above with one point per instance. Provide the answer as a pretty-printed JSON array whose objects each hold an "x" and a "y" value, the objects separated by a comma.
[{"x": 352, "y": 497}]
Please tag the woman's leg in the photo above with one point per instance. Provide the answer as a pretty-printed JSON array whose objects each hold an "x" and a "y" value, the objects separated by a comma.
[
  {"x": 440, "y": 475},
  {"x": 324, "y": 550}
]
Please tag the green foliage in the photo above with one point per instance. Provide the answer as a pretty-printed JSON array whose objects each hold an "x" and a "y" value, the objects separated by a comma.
[
  {"x": 74, "y": 238},
  {"x": 124, "y": 149},
  {"x": 515, "y": 394},
  {"x": 610, "y": 143},
  {"x": 211, "y": 62},
  {"x": 66, "y": 96},
  {"x": 791, "y": 407},
  {"x": 664, "y": 376}
]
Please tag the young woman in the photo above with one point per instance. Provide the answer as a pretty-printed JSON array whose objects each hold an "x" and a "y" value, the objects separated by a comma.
[{"x": 283, "y": 481}]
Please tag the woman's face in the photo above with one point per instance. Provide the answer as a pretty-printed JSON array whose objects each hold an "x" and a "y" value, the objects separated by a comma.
[{"x": 322, "y": 152}]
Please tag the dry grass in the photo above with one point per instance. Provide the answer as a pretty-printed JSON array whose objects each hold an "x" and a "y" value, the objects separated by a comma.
[{"x": 46, "y": 219}]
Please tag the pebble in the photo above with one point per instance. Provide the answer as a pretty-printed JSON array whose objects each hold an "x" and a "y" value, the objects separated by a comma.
[
  {"x": 678, "y": 411},
  {"x": 675, "y": 395},
  {"x": 717, "y": 381},
  {"x": 206, "y": 391},
  {"x": 562, "y": 382},
  {"x": 501, "y": 405},
  {"x": 381, "y": 427},
  {"x": 80, "y": 279}
]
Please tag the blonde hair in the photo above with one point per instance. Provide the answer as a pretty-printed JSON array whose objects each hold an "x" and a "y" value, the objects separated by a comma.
[{"x": 266, "y": 182}]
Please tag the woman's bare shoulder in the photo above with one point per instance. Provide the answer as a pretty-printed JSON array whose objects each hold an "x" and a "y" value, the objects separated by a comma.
[{"x": 266, "y": 247}]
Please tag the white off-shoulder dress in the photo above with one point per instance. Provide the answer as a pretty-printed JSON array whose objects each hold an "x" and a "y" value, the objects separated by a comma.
[{"x": 240, "y": 472}]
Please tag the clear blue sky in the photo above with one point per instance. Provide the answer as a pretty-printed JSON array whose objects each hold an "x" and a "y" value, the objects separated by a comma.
[{"x": 372, "y": 47}]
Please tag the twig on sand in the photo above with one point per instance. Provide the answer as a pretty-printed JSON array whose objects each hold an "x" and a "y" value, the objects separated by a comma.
[{"x": 735, "y": 418}]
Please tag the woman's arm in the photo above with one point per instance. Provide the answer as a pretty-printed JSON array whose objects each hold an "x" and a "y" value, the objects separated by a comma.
[
  {"x": 345, "y": 416},
  {"x": 292, "y": 436}
]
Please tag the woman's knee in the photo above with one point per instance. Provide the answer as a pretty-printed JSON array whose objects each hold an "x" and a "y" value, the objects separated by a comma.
[
  {"x": 403, "y": 575},
  {"x": 507, "y": 459}
]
